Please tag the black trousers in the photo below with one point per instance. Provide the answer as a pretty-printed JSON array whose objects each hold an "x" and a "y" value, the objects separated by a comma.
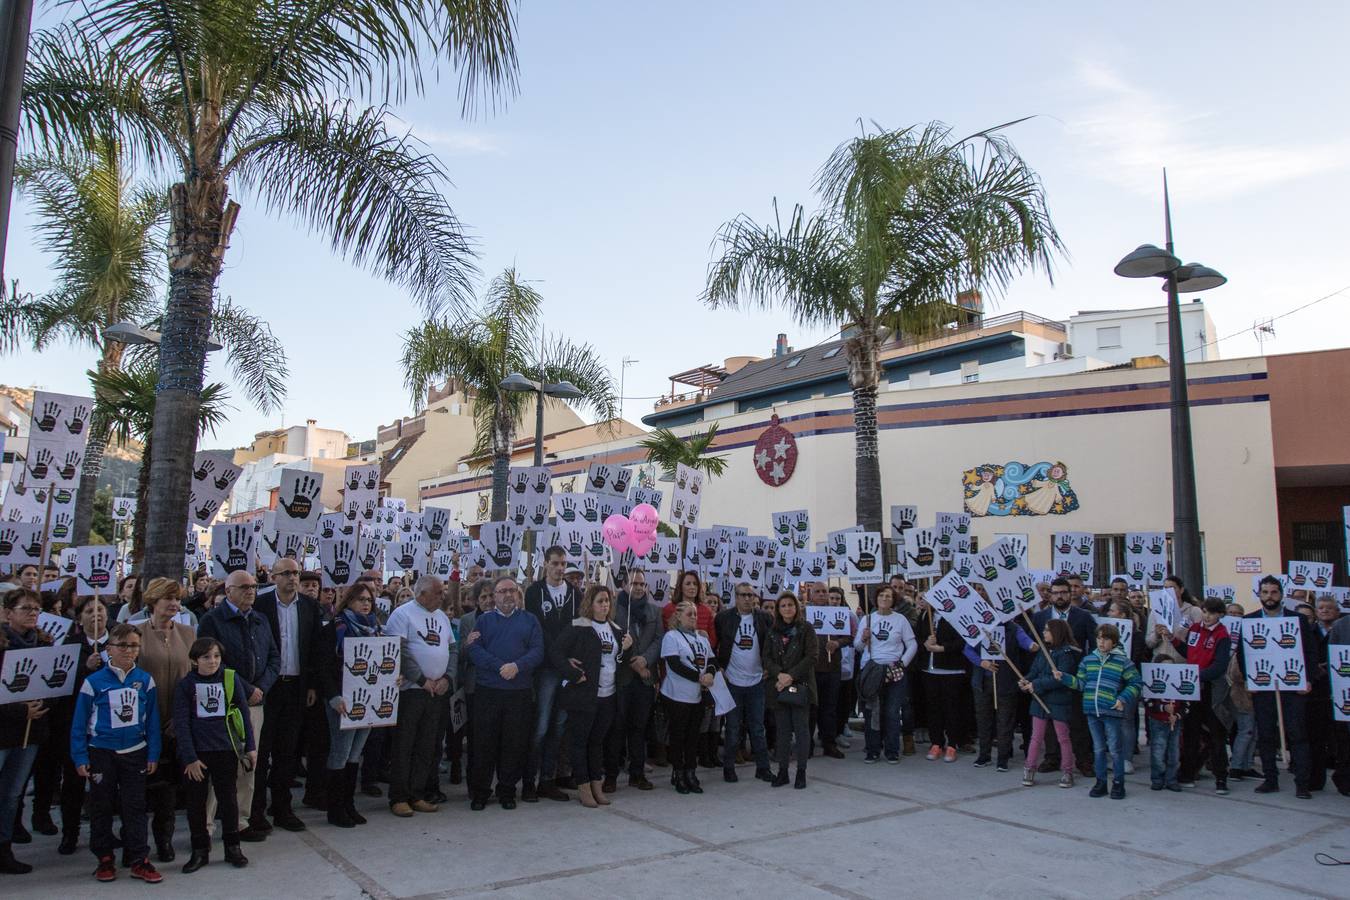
[
  {"x": 314, "y": 739},
  {"x": 1295, "y": 732},
  {"x": 502, "y": 721},
  {"x": 793, "y": 726},
  {"x": 685, "y": 722},
  {"x": 587, "y": 735},
  {"x": 1200, "y": 730},
  {"x": 992, "y": 723},
  {"x": 1321, "y": 740},
  {"x": 161, "y": 792},
  {"x": 827, "y": 715},
  {"x": 278, "y": 746},
  {"x": 629, "y": 734},
  {"x": 117, "y": 785},
  {"x": 416, "y": 740},
  {"x": 222, "y": 769},
  {"x": 943, "y": 696}
]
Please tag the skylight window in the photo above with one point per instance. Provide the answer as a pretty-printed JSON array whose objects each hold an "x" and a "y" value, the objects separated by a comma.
[
  {"x": 793, "y": 362},
  {"x": 832, "y": 353}
]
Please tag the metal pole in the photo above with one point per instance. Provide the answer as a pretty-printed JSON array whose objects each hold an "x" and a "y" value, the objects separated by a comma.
[
  {"x": 539, "y": 426},
  {"x": 16, "y": 17},
  {"x": 1186, "y": 560}
]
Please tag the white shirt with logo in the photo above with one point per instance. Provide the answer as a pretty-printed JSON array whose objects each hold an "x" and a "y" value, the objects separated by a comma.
[
  {"x": 891, "y": 641},
  {"x": 428, "y": 636},
  {"x": 695, "y": 652},
  {"x": 744, "y": 668},
  {"x": 609, "y": 658}
]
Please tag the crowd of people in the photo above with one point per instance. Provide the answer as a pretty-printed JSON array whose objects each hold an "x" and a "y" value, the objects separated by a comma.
[{"x": 223, "y": 700}]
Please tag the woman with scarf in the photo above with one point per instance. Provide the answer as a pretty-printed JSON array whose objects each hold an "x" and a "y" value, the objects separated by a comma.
[
  {"x": 23, "y": 726},
  {"x": 354, "y": 618},
  {"x": 789, "y": 657}
]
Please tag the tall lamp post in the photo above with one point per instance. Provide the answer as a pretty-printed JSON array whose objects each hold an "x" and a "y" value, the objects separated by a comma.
[
  {"x": 563, "y": 390},
  {"x": 1149, "y": 261}
]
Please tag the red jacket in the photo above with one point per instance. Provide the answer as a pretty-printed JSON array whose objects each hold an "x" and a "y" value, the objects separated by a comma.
[{"x": 1208, "y": 648}]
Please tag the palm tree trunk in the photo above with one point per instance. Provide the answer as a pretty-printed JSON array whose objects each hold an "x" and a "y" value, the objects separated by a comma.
[
  {"x": 201, "y": 225},
  {"x": 864, "y": 375},
  {"x": 99, "y": 428},
  {"x": 142, "y": 510},
  {"x": 503, "y": 435}
]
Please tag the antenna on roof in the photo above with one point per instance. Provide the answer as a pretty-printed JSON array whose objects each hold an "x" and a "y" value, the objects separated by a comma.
[{"x": 1264, "y": 329}]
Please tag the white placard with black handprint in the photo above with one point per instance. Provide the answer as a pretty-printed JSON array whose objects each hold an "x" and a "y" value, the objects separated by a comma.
[
  {"x": 211, "y": 700},
  {"x": 362, "y": 479},
  {"x": 903, "y": 519},
  {"x": 123, "y": 509},
  {"x": 1273, "y": 654},
  {"x": 687, "y": 498},
  {"x": 435, "y": 525},
  {"x": 1073, "y": 553},
  {"x": 650, "y": 496},
  {"x": 38, "y": 673},
  {"x": 1169, "y": 681},
  {"x": 502, "y": 542},
  {"x": 862, "y": 558},
  {"x": 60, "y": 418},
  {"x": 529, "y": 482},
  {"x": 20, "y": 544},
  {"x": 785, "y": 526},
  {"x": 55, "y": 627},
  {"x": 1225, "y": 592},
  {"x": 1017, "y": 544},
  {"x": 921, "y": 557},
  {"x": 25, "y": 503},
  {"x": 338, "y": 565},
  {"x": 567, "y": 507},
  {"x": 607, "y": 478},
  {"x": 370, "y": 551},
  {"x": 954, "y": 599},
  {"x": 95, "y": 569},
  {"x": 1338, "y": 668},
  {"x": 800, "y": 566},
  {"x": 298, "y": 504},
  {"x": 1145, "y": 555},
  {"x": 398, "y": 504},
  {"x": 213, "y": 476},
  {"x": 1162, "y": 607},
  {"x": 331, "y": 525},
  {"x": 203, "y": 506},
  {"x": 231, "y": 548},
  {"x": 442, "y": 563},
  {"x": 1309, "y": 576},
  {"x": 408, "y": 556},
  {"x": 830, "y": 621},
  {"x": 370, "y": 670}
]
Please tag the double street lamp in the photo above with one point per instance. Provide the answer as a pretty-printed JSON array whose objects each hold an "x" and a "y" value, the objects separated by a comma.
[
  {"x": 1149, "y": 261},
  {"x": 131, "y": 333},
  {"x": 563, "y": 390}
]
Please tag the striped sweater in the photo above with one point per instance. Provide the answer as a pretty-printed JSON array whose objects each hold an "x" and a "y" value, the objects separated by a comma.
[{"x": 1104, "y": 681}]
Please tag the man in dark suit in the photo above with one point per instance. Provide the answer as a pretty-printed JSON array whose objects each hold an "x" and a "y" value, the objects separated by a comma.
[
  {"x": 1084, "y": 630},
  {"x": 1295, "y": 703},
  {"x": 295, "y": 623}
]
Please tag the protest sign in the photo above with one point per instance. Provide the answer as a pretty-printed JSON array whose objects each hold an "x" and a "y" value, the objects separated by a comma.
[
  {"x": 338, "y": 566},
  {"x": 1169, "y": 681},
  {"x": 231, "y": 548},
  {"x": 370, "y": 669},
  {"x": 1073, "y": 554},
  {"x": 862, "y": 558},
  {"x": 1338, "y": 667},
  {"x": 954, "y": 599},
  {"x": 921, "y": 559},
  {"x": 1309, "y": 575},
  {"x": 687, "y": 497},
  {"x": 38, "y": 673},
  {"x": 298, "y": 506},
  {"x": 1162, "y": 606},
  {"x": 1273, "y": 651},
  {"x": 829, "y": 621}
]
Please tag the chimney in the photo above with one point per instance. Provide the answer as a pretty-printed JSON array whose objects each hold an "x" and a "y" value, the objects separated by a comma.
[{"x": 780, "y": 347}]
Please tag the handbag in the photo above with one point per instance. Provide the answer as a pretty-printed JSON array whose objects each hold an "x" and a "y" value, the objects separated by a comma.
[{"x": 794, "y": 695}]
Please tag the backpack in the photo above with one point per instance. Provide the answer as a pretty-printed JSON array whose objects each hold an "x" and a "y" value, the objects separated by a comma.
[{"x": 234, "y": 717}]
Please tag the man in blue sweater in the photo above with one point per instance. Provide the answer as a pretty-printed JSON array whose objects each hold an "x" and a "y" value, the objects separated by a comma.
[{"x": 505, "y": 648}]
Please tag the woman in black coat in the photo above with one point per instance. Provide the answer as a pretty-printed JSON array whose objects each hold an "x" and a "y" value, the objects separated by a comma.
[
  {"x": 589, "y": 655},
  {"x": 789, "y": 657}
]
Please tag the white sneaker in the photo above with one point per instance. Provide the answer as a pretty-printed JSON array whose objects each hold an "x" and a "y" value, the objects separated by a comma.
[
  {"x": 842, "y": 742},
  {"x": 1129, "y": 767}
]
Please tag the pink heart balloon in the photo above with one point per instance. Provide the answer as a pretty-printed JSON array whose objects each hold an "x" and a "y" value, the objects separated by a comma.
[
  {"x": 644, "y": 518},
  {"x": 618, "y": 532}
]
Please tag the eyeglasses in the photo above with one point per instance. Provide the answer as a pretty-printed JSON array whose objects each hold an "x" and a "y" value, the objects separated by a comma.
[
  {"x": 294, "y": 573},
  {"x": 28, "y": 609},
  {"x": 745, "y": 593},
  {"x": 126, "y": 646},
  {"x": 504, "y": 592},
  {"x": 250, "y": 588}
]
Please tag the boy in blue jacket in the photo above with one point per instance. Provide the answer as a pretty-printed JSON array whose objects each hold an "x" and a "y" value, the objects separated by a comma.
[{"x": 114, "y": 742}]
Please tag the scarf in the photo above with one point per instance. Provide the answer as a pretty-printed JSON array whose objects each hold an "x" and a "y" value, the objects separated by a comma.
[{"x": 353, "y": 624}]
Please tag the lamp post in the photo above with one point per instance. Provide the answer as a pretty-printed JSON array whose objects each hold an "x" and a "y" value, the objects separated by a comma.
[
  {"x": 563, "y": 390},
  {"x": 1149, "y": 261},
  {"x": 131, "y": 333}
]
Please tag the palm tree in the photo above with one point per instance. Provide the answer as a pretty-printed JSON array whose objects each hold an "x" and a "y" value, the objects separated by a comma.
[
  {"x": 248, "y": 93},
  {"x": 128, "y": 396},
  {"x": 478, "y": 352},
  {"x": 667, "y": 449},
  {"x": 909, "y": 218},
  {"x": 104, "y": 233}
]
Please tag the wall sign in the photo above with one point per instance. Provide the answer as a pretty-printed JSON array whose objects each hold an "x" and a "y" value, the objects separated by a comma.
[{"x": 775, "y": 454}]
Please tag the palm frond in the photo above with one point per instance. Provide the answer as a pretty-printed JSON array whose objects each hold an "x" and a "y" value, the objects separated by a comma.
[
  {"x": 581, "y": 365},
  {"x": 375, "y": 195},
  {"x": 127, "y": 397},
  {"x": 256, "y": 358},
  {"x": 667, "y": 449}
]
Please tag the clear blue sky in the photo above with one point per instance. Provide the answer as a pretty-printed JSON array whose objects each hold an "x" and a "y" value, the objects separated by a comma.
[{"x": 640, "y": 128}]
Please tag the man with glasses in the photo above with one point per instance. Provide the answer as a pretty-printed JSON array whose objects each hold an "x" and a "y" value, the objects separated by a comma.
[
  {"x": 554, "y": 602},
  {"x": 506, "y": 647},
  {"x": 296, "y": 624},
  {"x": 741, "y": 633},
  {"x": 635, "y": 684},
  {"x": 251, "y": 652}
]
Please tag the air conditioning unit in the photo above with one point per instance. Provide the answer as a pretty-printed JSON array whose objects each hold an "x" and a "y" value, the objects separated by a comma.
[{"x": 1064, "y": 351}]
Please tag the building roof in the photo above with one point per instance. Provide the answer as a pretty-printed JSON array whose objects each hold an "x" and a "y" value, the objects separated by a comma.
[
  {"x": 396, "y": 453},
  {"x": 797, "y": 367}
]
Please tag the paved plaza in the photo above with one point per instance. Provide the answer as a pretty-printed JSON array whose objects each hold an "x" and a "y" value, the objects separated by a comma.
[{"x": 919, "y": 829}]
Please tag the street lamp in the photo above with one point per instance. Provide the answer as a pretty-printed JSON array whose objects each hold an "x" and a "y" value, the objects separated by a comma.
[
  {"x": 1149, "y": 261},
  {"x": 131, "y": 333},
  {"x": 563, "y": 390}
]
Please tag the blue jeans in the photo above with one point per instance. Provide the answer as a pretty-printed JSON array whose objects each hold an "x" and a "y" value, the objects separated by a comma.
[
  {"x": 546, "y": 741},
  {"x": 1244, "y": 743},
  {"x": 344, "y": 746},
  {"x": 15, "y": 764},
  {"x": 750, "y": 708},
  {"x": 893, "y": 699},
  {"x": 1105, "y": 731},
  {"x": 1164, "y": 748}
]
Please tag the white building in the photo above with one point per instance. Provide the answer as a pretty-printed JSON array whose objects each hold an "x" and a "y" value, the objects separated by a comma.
[{"x": 1120, "y": 335}]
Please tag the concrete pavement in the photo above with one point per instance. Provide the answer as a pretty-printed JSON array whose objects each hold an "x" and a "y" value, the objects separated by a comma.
[{"x": 916, "y": 829}]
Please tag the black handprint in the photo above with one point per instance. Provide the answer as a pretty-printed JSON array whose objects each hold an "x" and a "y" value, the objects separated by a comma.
[
  {"x": 354, "y": 479},
  {"x": 372, "y": 478},
  {"x": 126, "y": 712},
  {"x": 968, "y": 626},
  {"x": 407, "y": 556},
  {"x": 432, "y": 636},
  {"x": 677, "y": 509},
  {"x": 388, "y": 661},
  {"x": 620, "y": 483},
  {"x": 341, "y": 572},
  {"x": 795, "y": 566},
  {"x": 75, "y": 424},
  {"x": 359, "y": 667},
  {"x": 68, "y": 468},
  {"x": 47, "y": 421},
  {"x": 236, "y": 557},
  {"x": 518, "y": 513},
  {"x": 386, "y": 707},
  {"x": 695, "y": 483},
  {"x": 7, "y": 538},
  {"x": 1288, "y": 631},
  {"x": 1293, "y": 672},
  {"x": 202, "y": 472},
  {"x": 1007, "y": 600},
  {"x": 816, "y": 568},
  {"x": 100, "y": 571},
  {"x": 40, "y": 464},
  {"x": 1263, "y": 673},
  {"x": 302, "y": 502},
  {"x": 212, "y": 704},
  {"x": 867, "y": 549},
  {"x": 207, "y": 510},
  {"x": 1186, "y": 682},
  {"x": 357, "y": 709},
  {"x": 520, "y": 481},
  {"x": 61, "y": 527},
  {"x": 600, "y": 477},
  {"x": 590, "y": 508},
  {"x": 23, "y": 673}
]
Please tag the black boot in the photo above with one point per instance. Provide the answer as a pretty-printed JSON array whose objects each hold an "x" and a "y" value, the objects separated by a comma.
[
  {"x": 781, "y": 778},
  {"x": 337, "y": 800},
  {"x": 42, "y": 822},
  {"x": 801, "y": 778},
  {"x": 164, "y": 843},
  {"x": 691, "y": 781},
  {"x": 234, "y": 856},
  {"x": 198, "y": 859},
  {"x": 349, "y": 793},
  {"x": 316, "y": 788},
  {"x": 20, "y": 834},
  {"x": 678, "y": 779},
  {"x": 70, "y": 842},
  {"x": 11, "y": 866}
]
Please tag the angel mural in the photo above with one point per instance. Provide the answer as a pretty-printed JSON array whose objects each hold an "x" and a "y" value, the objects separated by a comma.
[{"x": 1018, "y": 489}]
